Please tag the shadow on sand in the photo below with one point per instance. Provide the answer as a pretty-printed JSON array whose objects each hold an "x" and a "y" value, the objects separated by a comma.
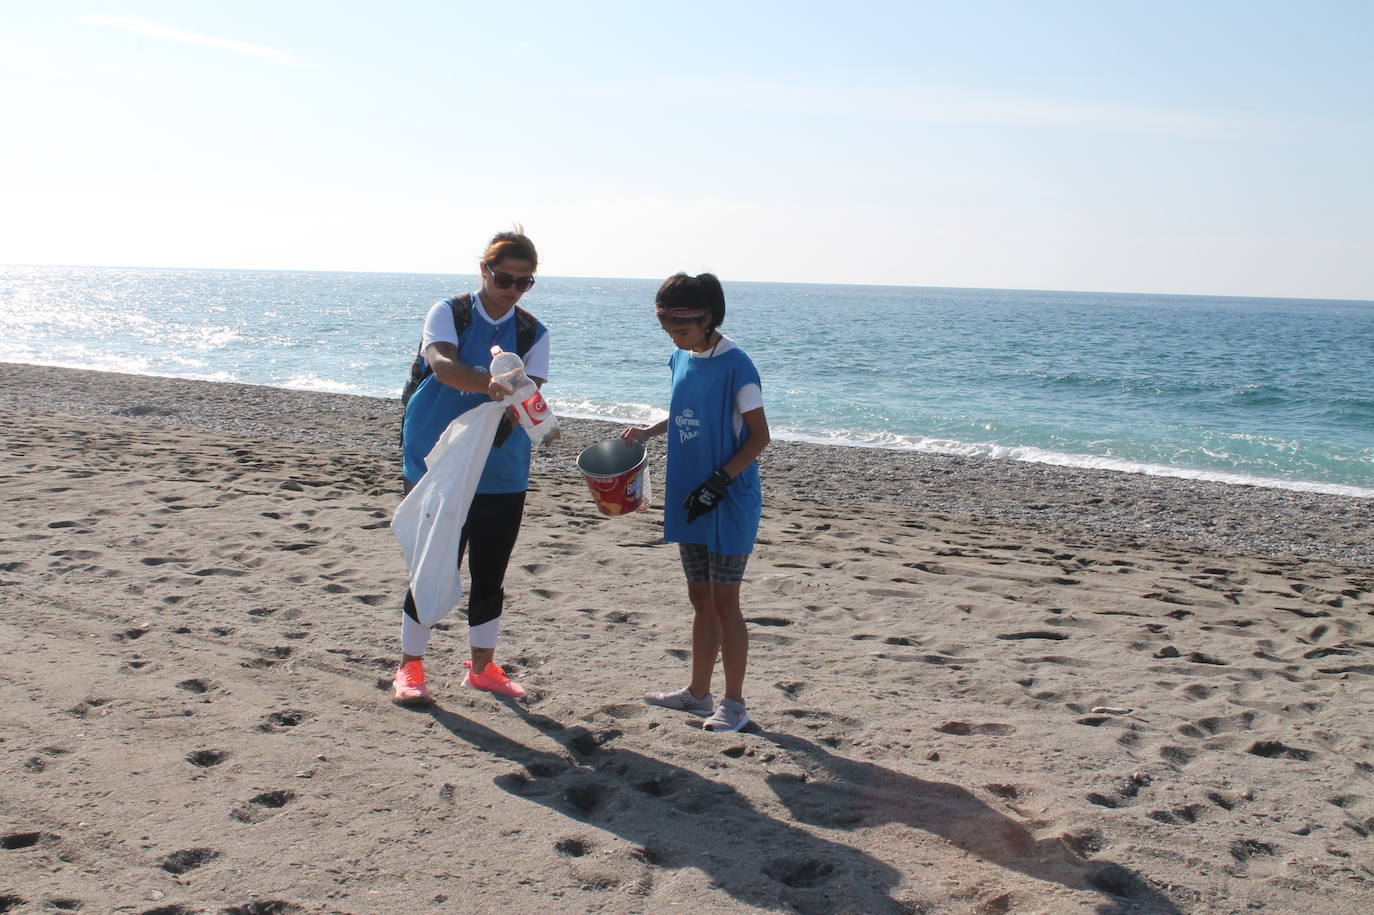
[
  {"x": 676, "y": 818},
  {"x": 841, "y": 793}
]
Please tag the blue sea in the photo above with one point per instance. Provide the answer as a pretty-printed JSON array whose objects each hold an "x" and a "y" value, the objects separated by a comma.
[{"x": 1272, "y": 392}]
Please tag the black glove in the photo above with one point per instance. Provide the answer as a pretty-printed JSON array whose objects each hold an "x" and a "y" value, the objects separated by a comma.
[
  {"x": 706, "y": 496},
  {"x": 503, "y": 430}
]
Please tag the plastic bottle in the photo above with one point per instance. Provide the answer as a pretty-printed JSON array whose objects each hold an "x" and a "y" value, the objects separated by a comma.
[{"x": 528, "y": 405}]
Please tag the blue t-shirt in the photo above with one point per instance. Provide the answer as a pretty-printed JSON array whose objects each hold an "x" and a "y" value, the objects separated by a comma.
[
  {"x": 701, "y": 438},
  {"x": 434, "y": 405}
]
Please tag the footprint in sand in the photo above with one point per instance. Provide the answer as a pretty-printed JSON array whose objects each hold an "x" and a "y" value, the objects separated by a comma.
[
  {"x": 1179, "y": 756},
  {"x": 85, "y": 706},
  {"x": 283, "y": 720},
  {"x": 1274, "y": 749},
  {"x": 273, "y": 800},
  {"x": 179, "y": 862},
  {"x": 1243, "y": 850},
  {"x": 1124, "y": 795},
  {"x": 573, "y": 847},
  {"x": 260, "y": 806},
  {"x": 583, "y": 798},
  {"x": 931, "y": 568},
  {"x": 206, "y": 759},
  {"x": 967, "y": 729},
  {"x": 802, "y": 873},
  {"x": 1216, "y": 725},
  {"x": 1173, "y": 816},
  {"x": 15, "y": 841},
  {"x": 160, "y": 560},
  {"x": 75, "y": 554},
  {"x": 1034, "y": 634},
  {"x": 624, "y": 710}
]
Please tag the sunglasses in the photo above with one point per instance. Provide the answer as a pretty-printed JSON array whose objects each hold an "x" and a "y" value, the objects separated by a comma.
[{"x": 505, "y": 280}]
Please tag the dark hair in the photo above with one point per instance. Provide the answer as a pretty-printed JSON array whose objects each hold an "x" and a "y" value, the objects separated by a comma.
[
  {"x": 514, "y": 244},
  {"x": 686, "y": 294}
]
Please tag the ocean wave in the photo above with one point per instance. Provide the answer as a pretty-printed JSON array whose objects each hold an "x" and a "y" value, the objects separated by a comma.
[
  {"x": 633, "y": 413},
  {"x": 312, "y": 382},
  {"x": 122, "y": 365},
  {"x": 1034, "y": 455},
  {"x": 642, "y": 413}
]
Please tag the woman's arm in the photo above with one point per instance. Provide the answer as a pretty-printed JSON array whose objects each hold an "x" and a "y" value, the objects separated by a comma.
[{"x": 443, "y": 360}]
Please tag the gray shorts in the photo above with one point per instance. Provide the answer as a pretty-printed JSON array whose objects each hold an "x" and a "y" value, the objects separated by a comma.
[{"x": 700, "y": 564}]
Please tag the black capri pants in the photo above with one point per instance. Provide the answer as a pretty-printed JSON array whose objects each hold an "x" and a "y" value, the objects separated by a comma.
[{"x": 488, "y": 539}]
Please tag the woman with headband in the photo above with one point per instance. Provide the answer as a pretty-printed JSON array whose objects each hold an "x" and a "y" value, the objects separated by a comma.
[
  {"x": 716, "y": 430},
  {"x": 450, "y": 377}
]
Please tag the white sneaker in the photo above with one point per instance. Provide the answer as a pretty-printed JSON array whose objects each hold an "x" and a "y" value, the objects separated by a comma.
[
  {"x": 682, "y": 700},
  {"x": 729, "y": 716}
]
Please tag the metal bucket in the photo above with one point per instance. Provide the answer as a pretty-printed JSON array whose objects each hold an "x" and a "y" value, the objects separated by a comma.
[{"x": 617, "y": 475}]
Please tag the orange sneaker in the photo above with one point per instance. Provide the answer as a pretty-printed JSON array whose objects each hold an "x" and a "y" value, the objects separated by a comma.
[
  {"x": 493, "y": 680},
  {"x": 409, "y": 684}
]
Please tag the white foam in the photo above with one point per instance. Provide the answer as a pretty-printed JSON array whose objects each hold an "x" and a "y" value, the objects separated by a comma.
[
  {"x": 644, "y": 413},
  {"x": 312, "y": 382},
  {"x": 1061, "y": 459},
  {"x": 636, "y": 413},
  {"x": 123, "y": 365}
]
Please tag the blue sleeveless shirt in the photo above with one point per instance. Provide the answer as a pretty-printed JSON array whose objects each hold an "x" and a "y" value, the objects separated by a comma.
[
  {"x": 701, "y": 438},
  {"x": 434, "y": 405}
]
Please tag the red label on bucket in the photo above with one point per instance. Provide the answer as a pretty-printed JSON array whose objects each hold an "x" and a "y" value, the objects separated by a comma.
[{"x": 617, "y": 475}]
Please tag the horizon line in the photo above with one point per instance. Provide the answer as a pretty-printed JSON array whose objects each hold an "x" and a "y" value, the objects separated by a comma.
[{"x": 574, "y": 276}]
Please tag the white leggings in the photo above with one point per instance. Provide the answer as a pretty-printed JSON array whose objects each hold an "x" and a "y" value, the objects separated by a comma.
[{"x": 415, "y": 637}]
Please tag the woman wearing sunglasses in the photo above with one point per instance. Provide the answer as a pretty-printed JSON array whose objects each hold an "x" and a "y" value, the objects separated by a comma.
[{"x": 456, "y": 347}]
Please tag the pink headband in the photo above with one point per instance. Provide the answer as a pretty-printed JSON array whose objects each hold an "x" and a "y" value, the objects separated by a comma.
[{"x": 682, "y": 314}]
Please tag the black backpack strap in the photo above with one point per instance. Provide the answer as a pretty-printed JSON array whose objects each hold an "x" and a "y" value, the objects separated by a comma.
[
  {"x": 461, "y": 308},
  {"x": 525, "y": 328}
]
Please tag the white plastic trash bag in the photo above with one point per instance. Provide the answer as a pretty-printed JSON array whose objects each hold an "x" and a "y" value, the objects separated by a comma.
[{"x": 429, "y": 521}]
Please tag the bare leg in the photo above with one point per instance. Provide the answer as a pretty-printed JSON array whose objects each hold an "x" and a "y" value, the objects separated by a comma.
[
  {"x": 481, "y": 657},
  {"x": 705, "y": 637},
  {"x": 734, "y": 638}
]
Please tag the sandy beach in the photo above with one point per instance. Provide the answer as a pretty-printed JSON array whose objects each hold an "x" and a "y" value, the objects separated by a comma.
[{"x": 978, "y": 686}]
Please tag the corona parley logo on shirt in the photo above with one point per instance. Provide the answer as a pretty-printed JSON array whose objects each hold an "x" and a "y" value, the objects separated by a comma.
[{"x": 688, "y": 426}]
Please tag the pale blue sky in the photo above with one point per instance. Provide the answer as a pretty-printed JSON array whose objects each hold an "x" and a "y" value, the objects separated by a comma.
[{"x": 1198, "y": 147}]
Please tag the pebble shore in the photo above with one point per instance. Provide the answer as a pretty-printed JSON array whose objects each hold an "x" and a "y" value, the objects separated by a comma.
[{"x": 1136, "y": 509}]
